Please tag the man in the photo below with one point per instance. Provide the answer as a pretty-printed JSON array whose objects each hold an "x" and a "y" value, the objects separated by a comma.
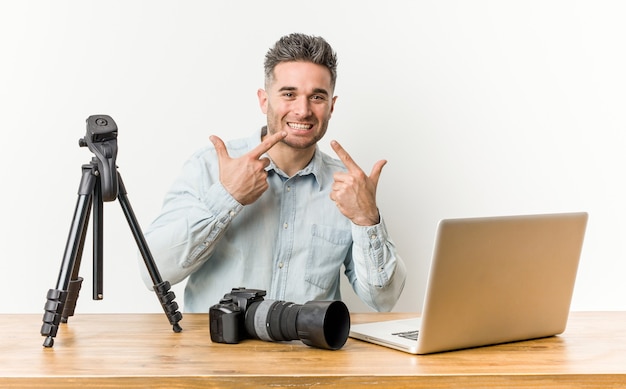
[{"x": 272, "y": 211}]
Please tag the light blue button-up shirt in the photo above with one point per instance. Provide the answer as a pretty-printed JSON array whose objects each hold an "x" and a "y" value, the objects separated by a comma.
[{"x": 291, "y": 242}]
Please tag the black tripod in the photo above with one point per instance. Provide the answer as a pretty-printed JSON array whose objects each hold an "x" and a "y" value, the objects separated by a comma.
[{"x": 100, "y": 182}]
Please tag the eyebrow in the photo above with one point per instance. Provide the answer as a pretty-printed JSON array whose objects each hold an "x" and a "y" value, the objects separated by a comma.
[{"x": 315, "y": 91}]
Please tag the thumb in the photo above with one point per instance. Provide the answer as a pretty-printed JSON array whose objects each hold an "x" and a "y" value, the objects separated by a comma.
[
  {"x": 376, "y": 170},
  {"x": 220, "y": 147}
]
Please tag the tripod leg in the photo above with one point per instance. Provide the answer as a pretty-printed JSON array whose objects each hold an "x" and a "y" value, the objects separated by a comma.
[
  {"x": 68, "y": 281},
  {"x": 76, "y": 282},
  {"x": 90, "y": 189},
  {"x": 162, "y": 288},
  {"x": 98, "y": 246}
]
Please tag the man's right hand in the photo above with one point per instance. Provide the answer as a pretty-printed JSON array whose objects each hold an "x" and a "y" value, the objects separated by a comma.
[{"x": 245, "y": 177}]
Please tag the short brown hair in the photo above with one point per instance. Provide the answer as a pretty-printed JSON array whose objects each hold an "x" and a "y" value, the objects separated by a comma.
[{"x": 301, "y": 47}]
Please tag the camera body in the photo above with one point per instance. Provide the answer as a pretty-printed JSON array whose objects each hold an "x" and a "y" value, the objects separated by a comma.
[
  {"x": 244, "y": 313},
  {"x": 227, "y": 318}
]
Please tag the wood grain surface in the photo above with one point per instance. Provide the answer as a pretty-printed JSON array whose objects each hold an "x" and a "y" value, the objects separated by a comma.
[{"x": 141, "y": 350}]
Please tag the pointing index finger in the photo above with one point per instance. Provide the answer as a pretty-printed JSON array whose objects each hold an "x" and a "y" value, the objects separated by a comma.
[
  {"x": 344, "y": 156},
  {"x": 267, "y": 143}
]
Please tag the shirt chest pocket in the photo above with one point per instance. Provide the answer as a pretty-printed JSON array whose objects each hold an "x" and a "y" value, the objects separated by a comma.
[{"x": 328, "y": 249}]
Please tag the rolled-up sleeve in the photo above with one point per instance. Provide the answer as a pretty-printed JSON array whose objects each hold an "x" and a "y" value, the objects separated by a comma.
[{"x": 377, "y": 273}]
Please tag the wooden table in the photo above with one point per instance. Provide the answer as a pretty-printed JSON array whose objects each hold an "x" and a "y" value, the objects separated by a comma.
[{"x": 141, "y": 350}]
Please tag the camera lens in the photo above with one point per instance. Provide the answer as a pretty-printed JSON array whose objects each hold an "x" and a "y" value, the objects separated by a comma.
[{"x": 323, "y": 324}]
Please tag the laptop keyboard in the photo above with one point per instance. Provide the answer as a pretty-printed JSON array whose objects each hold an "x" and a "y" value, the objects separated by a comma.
[{"x": 407, "y": 334}]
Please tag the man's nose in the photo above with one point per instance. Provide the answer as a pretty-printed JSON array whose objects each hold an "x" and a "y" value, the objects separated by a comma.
[{"x": 302, "y": 107}]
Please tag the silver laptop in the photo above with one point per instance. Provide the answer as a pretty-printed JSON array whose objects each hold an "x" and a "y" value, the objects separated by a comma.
[{"x": 492, "y": 280}]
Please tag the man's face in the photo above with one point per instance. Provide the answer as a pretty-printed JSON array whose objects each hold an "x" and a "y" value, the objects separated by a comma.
[{"x": 300, "y": 101}]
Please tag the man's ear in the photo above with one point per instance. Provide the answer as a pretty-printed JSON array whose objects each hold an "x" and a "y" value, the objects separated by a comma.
[{"x": 262, "y": 96}]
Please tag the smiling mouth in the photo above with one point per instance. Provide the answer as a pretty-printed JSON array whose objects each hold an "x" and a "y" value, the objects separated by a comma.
[{"x": 300, "y": 126}]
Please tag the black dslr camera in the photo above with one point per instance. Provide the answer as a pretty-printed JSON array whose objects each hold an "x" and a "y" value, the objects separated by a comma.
[{"x": 244, "y": 313}]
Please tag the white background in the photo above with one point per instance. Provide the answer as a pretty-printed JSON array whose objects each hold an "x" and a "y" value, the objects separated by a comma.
[{"x": 481, "y": 107}]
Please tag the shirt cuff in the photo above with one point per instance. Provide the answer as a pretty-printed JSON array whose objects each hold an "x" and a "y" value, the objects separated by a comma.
[{"x": 222, "y": 203}]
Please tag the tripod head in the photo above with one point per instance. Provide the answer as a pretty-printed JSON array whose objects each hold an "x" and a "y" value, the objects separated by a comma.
[{"x": 101, "y": 139}]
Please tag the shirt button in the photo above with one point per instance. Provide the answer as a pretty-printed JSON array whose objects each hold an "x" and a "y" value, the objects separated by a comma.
[
  {"x": 373, "y": 236},
  {"x": 288, "y": 189},
  {"x": 285, "y": 226},
  {"x": 280, "y": 265},
  {"x": 232, "y": 213}
]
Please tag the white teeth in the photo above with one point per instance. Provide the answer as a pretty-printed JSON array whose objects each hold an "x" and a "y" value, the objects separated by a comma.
[{"x": 298, "y": 126}]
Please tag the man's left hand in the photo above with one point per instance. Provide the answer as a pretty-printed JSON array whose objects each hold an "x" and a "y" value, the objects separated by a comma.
[{"x": 354, "y": 192}]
